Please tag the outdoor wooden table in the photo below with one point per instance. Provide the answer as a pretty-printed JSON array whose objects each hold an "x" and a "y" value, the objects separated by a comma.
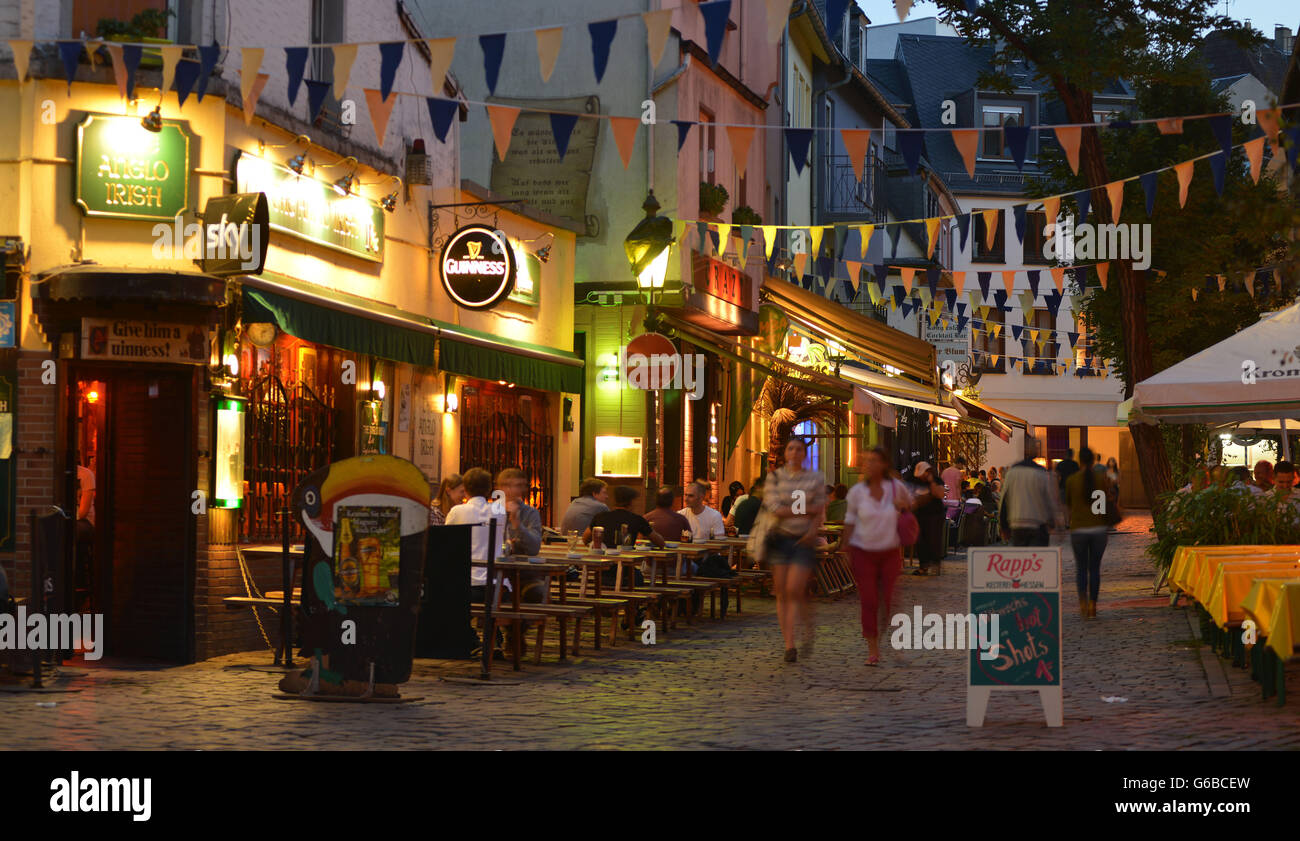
[
  {"x": 590, "y": 566},
  {"x": 1274, "y": 605},
  {"x": 515, "y": 569}
]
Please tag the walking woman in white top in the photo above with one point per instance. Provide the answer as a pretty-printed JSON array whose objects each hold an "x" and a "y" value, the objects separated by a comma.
[{"x": 871, "y": 533}]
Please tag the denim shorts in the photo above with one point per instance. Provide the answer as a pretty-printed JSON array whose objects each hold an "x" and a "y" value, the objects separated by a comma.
[{"x": 783, "y": 549}]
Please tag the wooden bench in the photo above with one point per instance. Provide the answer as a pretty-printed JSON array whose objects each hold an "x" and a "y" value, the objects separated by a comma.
[{"x": 517, "y": 620}]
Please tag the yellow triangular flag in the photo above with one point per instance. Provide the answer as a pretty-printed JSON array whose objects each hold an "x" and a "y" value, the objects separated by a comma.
[
  {"x": 769, "y": 239},
  {"x": 874, "y": 291},
  {"x": 502, "y": 118},
  {"x": 250, "y": 63},
  {"x": 380, "y": 112},
  {"x": 441, "y": 52},
  {"x": 959, "y": 282},
  {"x": 1184, "y": 172},
  {"x": 740, "y": 138},
  {"x": 856, "y": 142},
  {"x": 1255, "y": 153},
  {"x": 656, "y": 33},
  {"x": 865, "y": 231},
  {"x": 22, "y": 56},
  {"x": 170, "y": 55},
  {"x": 548, "y": 47},
  {"x": 624, "y": 131},
  {"x": 254, "y": 92},
  {"x": 724, "y": 238},
  {"x": 816, "y": 234},
  {"x": 778, "y": 12},
  {"x": 991, "y": 222},
  {"x": 119, "y": 67},
  {"x": 344, "y": 56},
  {"x": 1115, "y": 194},
  {"x": 967, "y": 142},
  {"x": 931, "y": 235},
  {"x": 907, "y": 278},
  {"x": 1069, "y": 137}
]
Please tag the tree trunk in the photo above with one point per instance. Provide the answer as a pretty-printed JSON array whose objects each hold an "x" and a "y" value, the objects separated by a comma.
[{"x": 1153, "y": 461}]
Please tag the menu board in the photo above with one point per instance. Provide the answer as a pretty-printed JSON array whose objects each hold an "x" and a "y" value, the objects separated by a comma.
[
  {"x": 366, "y": 553},
  {"x": 1029, "y": 639}
]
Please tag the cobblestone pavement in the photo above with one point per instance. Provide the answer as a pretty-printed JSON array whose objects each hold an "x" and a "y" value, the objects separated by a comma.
[{"x": 717, "y": 685}]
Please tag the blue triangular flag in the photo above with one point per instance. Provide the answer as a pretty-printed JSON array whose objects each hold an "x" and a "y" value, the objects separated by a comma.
[
  {"x": 881, "y": 274},
  {"x": 963, "y": 226},
  {"x": 1053, "y": 300},
  {"x": 715, "y": 15},
  {"x": 1018, "y": 211},
  {"x": 824, "y": 266},
  {"x": 1073, "y": 337},
  {"x": 602, "y": 35},
  {"x": 1017, "y": 141},
  {"x": 562, "y": 127},
  {"x": 441, "y": 113},
  {"x": 984, "y": 278},
  {"x": 951, "y": 295},
  {"x": 131, "y": 60},
  {"x": 835, "y": 10},
  {"x": 494, "y": 47},
  {"x": 316, "y": 93},
  {"x": 1221, "y": 125},
  {"x": 1033, "y": 281},
  {"x": 961, "y": 324},
  {"x": 702, "y": 234},
  {"x": 70, "y": 52},
  {"x": 898, "y": 296},
  {"x": 1083, "y": 198},
  {"x": 910, "y": 142},
  {"x": 797, "y": 140},
  {"x": 1000, "y": 299},
  {"x": 207, "y": 63},
  {"x": 295, "y": 64},
  {"x": 1016, "y": 330},
  {"x": 961, "y": 307},
  {"x": 906, "y": 308},
  {"x": 1149, "y": 181},
  {"x": 1218, "y": 165},
  {"x": 187, "y": 73},
  {"x": 683, "y": 129},
  {"x": 390, "y": 58},
  {"x": 1121, "y": 125},
  {"x": 932, "y": 280},
  {"x": 894, "y": 232}
]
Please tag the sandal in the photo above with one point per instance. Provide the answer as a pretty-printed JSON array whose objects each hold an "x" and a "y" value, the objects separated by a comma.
[{"x": 873, "y": 660}]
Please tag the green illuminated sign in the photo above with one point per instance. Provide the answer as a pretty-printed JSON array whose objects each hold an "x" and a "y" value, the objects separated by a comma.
[{"x": 128, "y": 172}]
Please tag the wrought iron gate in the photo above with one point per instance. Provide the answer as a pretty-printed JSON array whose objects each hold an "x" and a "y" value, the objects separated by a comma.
[{"x": 494, "y": 439}]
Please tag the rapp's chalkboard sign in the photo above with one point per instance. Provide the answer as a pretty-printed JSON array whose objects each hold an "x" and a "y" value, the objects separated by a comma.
[{"x": 1029, "y": 640}]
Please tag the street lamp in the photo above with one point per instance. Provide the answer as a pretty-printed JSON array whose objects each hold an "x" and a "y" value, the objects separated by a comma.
[{"x": 648, "y": 246}]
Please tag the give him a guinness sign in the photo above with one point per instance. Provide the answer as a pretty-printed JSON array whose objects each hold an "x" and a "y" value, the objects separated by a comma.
[{"x": 477, "y": 267}]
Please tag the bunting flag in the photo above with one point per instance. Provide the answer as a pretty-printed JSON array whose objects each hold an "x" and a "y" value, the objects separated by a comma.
[
  {"x": 740, "y": 137},
  {"x": 1083, "y": 199},
  {"x": 1033, "y": 275},
  {"x": 931, "y": 236},
  {"x": 715, "y": 14},
  {"x": 1149, "y": 182},
  {"x": 295, "y": 64},
  {"x": 778, "y": 13},
  {"x": 797, "y": 140},
  {"x": 380, "y": 109},
  {"x": 494, "y": 48},
  {"x": 967, "y": 142},
  {"x": 602, "y": 36},
  {"x": 1184, "y": 173},
  {"x": 1223, "y": 281},
  {"x": 910, "y": 143},
  {"x": 624, "y": 131},
  {"x": 769, "y": 239},
  {"x": 1027, "y": 304},
  {"x": 958, "y": 282},
  {"x": 1053, "y": 302},
  {"x": 344, "y": 56},
  {"x": 1103, "y": 270},
  {"x": 441, "y": 113},
  {"x": 815, "y": 234},
  {"x": 1221, "y": 126},
  {"x": 1000, "y": 301},
  {"x": 254, "y": 93},
  {"x": 902, "y": 7},
  {"x": 924, "y": 294},
  {"x": 1170, "y": 126},
  {"x": 119, "y": 67},
  {"x": 208, "y": 57},
  {"x": 316, "y": 93},
  {"x": 22, "y": 56},
  {"x": 992, "y": 221},
  {"x": 855, "y": 269},
  {"x": 856, "y": 143},
  {"x": 800, "y": 260},
  {"x": 1250, "y": 283},
  {"x": 724, "y": 238},
  {"x": 950, "y": 298},
  {"x": 1194, "y": 293},
  {"x": 963, "y": 227},
  {"x": 1268, "y": 121},
  {"x": 1009, "y": 280},
  {"x": 548, "y": 49},
  {"x": 1051, "y": 210},
  {"x": 1218, "y": 167},
  {"x": 932, "y": 280},
  {"x": 70, "y": 52},
  {"x": 1017, "y": 139},
  {"x": 390, "y": 58},
  {"x": 1072, "y": 337},
  {"x": 864, "y": 234},
  {"x": 894, "y": 231},
  {"x": 683, "y": 129},
  {"x": 1255, "y": 154},
  {"x": 841, "y": 236},
  {"x": 985, "y": 278},
  {"x": 703, "y": 240},
  {"x": 1058, "y": 277},
  {"x": 250, "y": 64},
  {"x": 874, "y": 293},
  {"x": 907, "y": 278},
  {"x": 1115, "y": 195},
  {"x": 187, "y": 74},
  {"x": 1018, "y": 213},
  {"x": 441, "y": 52},
  {"x": 562, "y": 129},
  {"x": 1069, "y": 137},
  {"x": 1016, "y": 330},
  {"x": 502, "y": 119},
  {"x": 657, "y": 25}
]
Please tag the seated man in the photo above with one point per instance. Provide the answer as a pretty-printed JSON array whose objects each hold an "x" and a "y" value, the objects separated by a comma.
[
  {"x": 1284, "y": 482},
  {"x": 839, "y": 504},
  {"x": 615, "y": 521},
  {"x": 705, "y": 522},
  {"x": 592, "y": 497},
  {"x": 523, "y": 530},
  {"x": 666, "y": 522},
  {"x": 746, "y": 510}
]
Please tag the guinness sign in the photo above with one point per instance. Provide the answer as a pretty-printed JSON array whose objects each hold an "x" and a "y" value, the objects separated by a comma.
[{"x": 477, "y": 267}]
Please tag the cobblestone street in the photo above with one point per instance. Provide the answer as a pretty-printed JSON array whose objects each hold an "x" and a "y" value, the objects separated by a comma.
[{"x": 716, "y": 685}]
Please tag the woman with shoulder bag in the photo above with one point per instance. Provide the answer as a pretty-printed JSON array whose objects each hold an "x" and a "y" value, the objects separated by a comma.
[
  {"x": 794, "y": 499},
  {"x": 877, "y": 525}
]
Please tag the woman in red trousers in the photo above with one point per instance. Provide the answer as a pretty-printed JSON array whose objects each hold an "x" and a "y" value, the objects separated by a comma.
[{"x": 871, "y": 535}]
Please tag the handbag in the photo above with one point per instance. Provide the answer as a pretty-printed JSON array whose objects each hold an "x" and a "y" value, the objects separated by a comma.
[{"x": 909, "y": 529}]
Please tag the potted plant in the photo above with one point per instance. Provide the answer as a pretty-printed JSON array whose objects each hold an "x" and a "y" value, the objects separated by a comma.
[
  {"x": 713, "y": 198},
  {"x": 746, "y": 215},
  {"x": 148, "y": 26}
]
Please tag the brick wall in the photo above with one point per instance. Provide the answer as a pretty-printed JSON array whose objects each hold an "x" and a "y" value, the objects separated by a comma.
[{"x": 38, "y": 479}]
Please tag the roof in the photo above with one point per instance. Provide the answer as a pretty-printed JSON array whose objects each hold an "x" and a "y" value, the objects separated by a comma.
[
  {"x": 891, "y": 80},
  {"x": 1224, "y": 57}
]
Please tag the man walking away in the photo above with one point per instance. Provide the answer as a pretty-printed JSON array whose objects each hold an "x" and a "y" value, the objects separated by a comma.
[
  {"x": 1028, "y": 501},
  {"x": 1065, "y": 468}
]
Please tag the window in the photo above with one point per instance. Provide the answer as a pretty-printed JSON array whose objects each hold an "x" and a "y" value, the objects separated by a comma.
[
  {"x": 995, "y": 117},
  {"x": 986, "y": 346},
  {"x": 708, "y": 146},
  {"x": 326, "y": 28},
  {"x": 1040, "y": 363},
  {"x": 805, "y": 430},
  {"x": 1035, "y": 238},
  {"x": 1105, "y": 115},
  {"x": 800, "y": 101},
  {"x": 1085, "y": 359},
  {"x": 980, "y": 253}
]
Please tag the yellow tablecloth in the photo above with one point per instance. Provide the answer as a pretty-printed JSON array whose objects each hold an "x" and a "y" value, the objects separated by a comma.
[
  {"x": 1274, "y": 604},
  {"x": 1210, "y": 567},
  {"x": 1234, "y": 579},
  {"x": 1187, "y": 571},
  {"x": 1261, "y": 601}
]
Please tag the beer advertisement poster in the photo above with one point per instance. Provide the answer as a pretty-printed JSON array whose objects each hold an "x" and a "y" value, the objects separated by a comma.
[{"x": 367, "y": 547}]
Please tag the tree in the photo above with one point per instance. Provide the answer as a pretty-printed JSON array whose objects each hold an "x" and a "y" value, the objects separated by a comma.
[
  {"x": 785, "y": 405},
  {"x": 1079, "y": 48}
]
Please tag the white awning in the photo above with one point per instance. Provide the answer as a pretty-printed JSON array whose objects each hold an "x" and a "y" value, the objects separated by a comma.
[{"x": 865, "y": 403}]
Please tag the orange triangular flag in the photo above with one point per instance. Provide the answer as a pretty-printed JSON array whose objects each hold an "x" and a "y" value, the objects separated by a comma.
[
  {"x": 1058, "y": 277},
  {"x": 1184, "y": 172},
  {"x": 1103, "y": 270},
  {"x": 250, "y": 62},
  {"x": 1268, "y": 121},
  {"x": 854, "y": 269},
  {"x": 548, "y": 47},
  {"x": 1069, "y": 137},
  {"x": 740, "y": 137},
  {"x": 22, "y": 57},
  {"x": 657, "y": 25},
  {"x": 1115, "y": 193},
  {"x": 1009, "y": 280},
  {"x": 1194, "y": 292},
  {"x": 171, "y": 54},
  {"x": 624, "y": 131},
  {"x": 800, "y": 260},
  {"x": 379, "y": 112},
  {"x": 991, "y": 222},
  {"x": 856, "y": 141},
  {"x": 441, "y": 52},
  {"x": 1250, "y": 282},
  {"x": 931, "y": 235},
  {"x": 1051, "y": 209},
  {"x": 959, "y": 282},
  {"x": 503, "y": 119},
  {"x": 344, "y": 56},
  {"x": 967, "y": 142},
  {"x": 1255, "y": 153},
  {"x": 907, "y": 278},
  {"x": 254, "y": 92},
  {"x": 1173, "y": 125},
  {"x": 1223, "y": 281},
  {"x": 119, "y": 67}
]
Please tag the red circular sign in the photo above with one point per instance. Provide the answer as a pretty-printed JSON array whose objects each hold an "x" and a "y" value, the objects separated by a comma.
[{"x": 658, "y": 351}]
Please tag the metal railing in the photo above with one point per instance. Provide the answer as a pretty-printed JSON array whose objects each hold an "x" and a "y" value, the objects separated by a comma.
[{"x": 843, "y": 193}]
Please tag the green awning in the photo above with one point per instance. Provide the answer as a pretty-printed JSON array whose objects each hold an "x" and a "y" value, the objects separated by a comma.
[
  {"x": 325, "y": 326},
  {"x": 474, "y": 353}
]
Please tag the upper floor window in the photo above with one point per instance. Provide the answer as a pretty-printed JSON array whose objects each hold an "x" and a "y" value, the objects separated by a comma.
[
  {"x": 708, "y": 146},
  {"x": 995, "y": 117},
  {"x": 326, "y": 28},
  {"x": 1035, "y": 238},
  {"x": 800, "y": 100},
  {"x": 1036, "y": 363}
]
